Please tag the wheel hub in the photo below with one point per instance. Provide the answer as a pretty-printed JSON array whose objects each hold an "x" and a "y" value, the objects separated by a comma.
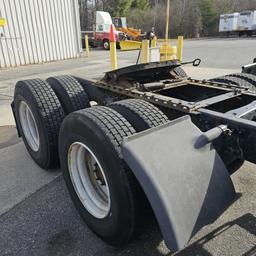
[
  {"x": 89, "y": 180},
  {"x": 29, "y": 126}
]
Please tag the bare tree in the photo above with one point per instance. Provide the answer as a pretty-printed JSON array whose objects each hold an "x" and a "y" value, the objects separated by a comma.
[{"x": 186, "y": 16}]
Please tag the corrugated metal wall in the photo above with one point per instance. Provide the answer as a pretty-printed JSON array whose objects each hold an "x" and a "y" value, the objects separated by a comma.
[{"x": 39, "y": 31}]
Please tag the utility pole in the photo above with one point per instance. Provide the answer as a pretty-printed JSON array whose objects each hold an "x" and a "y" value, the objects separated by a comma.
[
  {"x": 167, "y": 20},
  {"x": 167, "y": 26}
]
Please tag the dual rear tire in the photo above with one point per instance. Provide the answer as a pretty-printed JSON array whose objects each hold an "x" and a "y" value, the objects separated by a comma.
[
  {"x": 39, "y": 108},
  {"x": 88, "y": 141},
  {"x": 99, "y": 131}
]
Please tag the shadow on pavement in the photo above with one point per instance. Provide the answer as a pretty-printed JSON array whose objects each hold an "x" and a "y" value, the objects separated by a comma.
[
  {"x": 8, "y": 136},
  {"x": 47, "y": 223},
  {"x": 246, "y": 222}
]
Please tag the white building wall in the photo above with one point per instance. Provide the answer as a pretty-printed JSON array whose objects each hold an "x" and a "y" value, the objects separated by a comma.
[{"x": 39, "y": 31}]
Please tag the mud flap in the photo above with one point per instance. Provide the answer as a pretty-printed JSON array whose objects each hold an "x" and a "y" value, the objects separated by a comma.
[
  {"x": 15, "y": 119},
  {"x": 188, "y": 186}
]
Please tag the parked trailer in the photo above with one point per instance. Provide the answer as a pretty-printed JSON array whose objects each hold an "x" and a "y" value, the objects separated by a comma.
[
  {"x": 241, "y": 24},
  {"x": 247, "y": 23},
  {"x": 228, "y": 23},
  {"x": 156, "y": 140}
]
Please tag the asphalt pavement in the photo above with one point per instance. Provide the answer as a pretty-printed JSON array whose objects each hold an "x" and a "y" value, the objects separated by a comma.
[{"x": 37, "y": 216}]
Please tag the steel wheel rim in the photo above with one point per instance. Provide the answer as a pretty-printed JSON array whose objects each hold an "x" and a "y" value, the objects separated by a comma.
[
  {"x": 106, "y": 45},
  {"x": 89, "y": 180},
  {"x": 29, "y": 126}
]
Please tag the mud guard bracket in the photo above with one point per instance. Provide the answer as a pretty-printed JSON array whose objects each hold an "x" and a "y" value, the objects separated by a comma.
[{"x": 188, "y": 187}]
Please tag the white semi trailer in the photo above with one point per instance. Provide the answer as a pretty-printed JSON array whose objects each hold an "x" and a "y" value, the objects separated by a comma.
[
  {"x": 228, "y": 22},
  {"x": 243, "y": 23},
  {"x": 247, "y": 23}
]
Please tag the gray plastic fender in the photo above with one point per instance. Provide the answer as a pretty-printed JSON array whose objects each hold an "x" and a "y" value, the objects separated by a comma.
[{"x": 187, "y": 186}]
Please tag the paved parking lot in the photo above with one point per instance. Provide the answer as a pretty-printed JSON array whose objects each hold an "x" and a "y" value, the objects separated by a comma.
[{"x": 37, "y": 216}]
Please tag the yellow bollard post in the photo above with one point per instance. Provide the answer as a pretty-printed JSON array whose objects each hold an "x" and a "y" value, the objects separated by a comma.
[
  {"x": 180, "y": 48},
  {"x": 112, "y": 40},
  {"x": 113, "y": 56},
  {"x": 154, "y": 42},
  {"x": 87, "y": 45},
  {"x": 171, "y": 52},
  {"x": 145, "y": 51},
  {"x": 3, "y": 22}
]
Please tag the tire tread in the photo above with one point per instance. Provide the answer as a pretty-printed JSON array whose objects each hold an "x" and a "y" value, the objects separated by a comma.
[
  {"x": 236, "y": 79},
  {"x": 179, "y": 71},
  {"x": 250, "y": 78},
  {"x": 112, "y": 123},
  {"x": 49, "y": 109},
  {"x": 73, "y": 90},
  {"x": 150, "y": 115},
  {"x": 115, "y": 127}
]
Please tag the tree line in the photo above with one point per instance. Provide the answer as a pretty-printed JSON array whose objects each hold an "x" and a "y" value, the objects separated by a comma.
[{"x": 191, "y": 18}]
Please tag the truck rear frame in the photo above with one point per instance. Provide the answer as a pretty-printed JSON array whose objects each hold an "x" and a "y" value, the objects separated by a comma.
[{"x": 203, "y": 132}]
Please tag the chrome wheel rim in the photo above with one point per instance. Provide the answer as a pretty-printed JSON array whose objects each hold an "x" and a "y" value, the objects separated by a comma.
[
  {"x": 89, "y": 180},
  {"x": 29, "y": 126}
]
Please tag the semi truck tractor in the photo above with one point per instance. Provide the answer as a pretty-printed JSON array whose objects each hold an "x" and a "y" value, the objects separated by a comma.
[
  {"x": 99, "y": 37},
  {"x": 144, "y": 140}
]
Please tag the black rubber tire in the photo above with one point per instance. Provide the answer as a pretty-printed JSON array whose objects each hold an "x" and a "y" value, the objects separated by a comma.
[
  {"x": 239, "y": 81},
  {"x": 229, "y": 79},
  {"x": 104, "y": 44},
  {"x": 179, "y": 71},
  {"x": 70, "y": 93},
  {"x": 223, "y": 80},
  {"x": 140, "y": 114},
  {"x": 48, "y": 115},
  {"x": 235, "y": 165},
  {"x": 250, "y": 78},
  {"x": 102, "y": 130},
  {"x": 93, "y": 92}
]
